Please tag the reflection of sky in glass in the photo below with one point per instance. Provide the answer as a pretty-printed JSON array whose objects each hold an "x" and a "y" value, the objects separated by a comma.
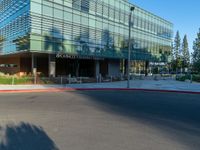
[{"x": 14, "y": 23}]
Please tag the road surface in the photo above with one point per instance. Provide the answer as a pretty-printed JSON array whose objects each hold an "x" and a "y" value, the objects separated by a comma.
[{"x": 100, "y": 120}]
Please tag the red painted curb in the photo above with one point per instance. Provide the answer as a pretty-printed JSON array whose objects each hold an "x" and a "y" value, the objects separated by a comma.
[{"x": 94, "y": 89}]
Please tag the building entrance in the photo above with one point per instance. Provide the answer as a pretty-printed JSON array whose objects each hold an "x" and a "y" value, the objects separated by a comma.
[{"x": 75, "y": 67}]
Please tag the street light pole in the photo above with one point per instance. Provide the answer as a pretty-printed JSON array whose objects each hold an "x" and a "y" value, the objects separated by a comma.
[{"x": 129, "y": 47}]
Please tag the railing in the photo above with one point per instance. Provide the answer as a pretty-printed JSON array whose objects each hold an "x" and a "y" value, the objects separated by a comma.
[{"x": 13, "y": 80}]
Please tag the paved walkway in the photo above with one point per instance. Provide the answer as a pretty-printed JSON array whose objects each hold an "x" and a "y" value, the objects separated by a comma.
[{"x": 137, "y": 84}]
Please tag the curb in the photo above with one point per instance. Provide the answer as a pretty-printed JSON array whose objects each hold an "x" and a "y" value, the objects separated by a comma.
[{"x": 94, "y": 89}]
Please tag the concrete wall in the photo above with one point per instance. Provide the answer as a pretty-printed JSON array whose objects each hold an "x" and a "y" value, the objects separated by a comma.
[
  {"x": 52, "y": 66},
  {"x": 23, "y": 65},
  {"x": 114, "y": 67}
]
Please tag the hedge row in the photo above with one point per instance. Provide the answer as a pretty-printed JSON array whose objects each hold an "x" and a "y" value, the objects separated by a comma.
[{"x": 195, "y": 78}]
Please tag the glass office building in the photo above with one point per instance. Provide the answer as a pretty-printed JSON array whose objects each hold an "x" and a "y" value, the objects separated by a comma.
[{"x": 79, "y": 37}]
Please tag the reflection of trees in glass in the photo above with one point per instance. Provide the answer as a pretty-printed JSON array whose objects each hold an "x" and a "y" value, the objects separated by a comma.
[
  {"x": 82, "y": 5},
  {"x": 85, "y": 47},
  {"x": 164, "y": 57},
  {"x": 124, "y": 44},
  {"x": 83, "y": 41},
  {"x": 54, "y": 39},
  {"x": 106, "y": 49},
  {"x": 108, "y": 43},
  {"x": 164, "y": 51},
  {"x": 107, "y": 40},
  {"x": 85, "y": 5},
  {"x": 139, "y": 52},
  {"x": 97, "y": 50},
  {"x": 22, "y": 43},
  {"x": 1, "y": 44}
]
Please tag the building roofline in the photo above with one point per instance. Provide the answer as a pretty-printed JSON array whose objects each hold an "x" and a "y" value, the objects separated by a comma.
[{"x": 148, "y": 11}]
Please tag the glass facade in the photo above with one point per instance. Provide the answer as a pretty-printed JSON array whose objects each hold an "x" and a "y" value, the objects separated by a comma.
[
  {"x": 94, "y": 28},
  {"x": 14, "y": 26}
]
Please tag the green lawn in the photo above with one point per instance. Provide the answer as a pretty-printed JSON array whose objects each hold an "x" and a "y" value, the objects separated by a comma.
[{"x": 17, "y": 80}]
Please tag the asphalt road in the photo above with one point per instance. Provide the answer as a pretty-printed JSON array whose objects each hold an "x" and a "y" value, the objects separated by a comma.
[{"x": 100, "y": 120}]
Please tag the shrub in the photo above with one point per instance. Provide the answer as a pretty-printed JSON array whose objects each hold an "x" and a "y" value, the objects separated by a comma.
[
  {"x": 196, "y": 78},
  {"x": 181, "y": 78}
]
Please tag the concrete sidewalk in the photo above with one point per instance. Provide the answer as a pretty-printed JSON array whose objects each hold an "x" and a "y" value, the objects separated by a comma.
[{"x": 135, "y": 84}]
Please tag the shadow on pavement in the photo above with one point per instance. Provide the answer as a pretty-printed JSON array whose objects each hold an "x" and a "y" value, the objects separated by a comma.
[
  {"x": 25, "y": 136},
  {"x": 176, "y": 116}
]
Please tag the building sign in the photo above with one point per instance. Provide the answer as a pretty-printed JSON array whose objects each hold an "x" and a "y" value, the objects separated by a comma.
[
  {"x": 61, "y": 55},
  {"x": 157, "y": 63}
]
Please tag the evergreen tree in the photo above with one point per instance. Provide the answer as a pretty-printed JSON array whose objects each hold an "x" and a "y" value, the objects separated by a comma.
[
  {"x": 185, "y": 53},
  {"x": 173, "y": 61},
  {"x": 177, "y": 51},
  {"x": 196, "y": 53},
  {"x": 172, "y": 52},
  {"x": 177, "y": 46}
]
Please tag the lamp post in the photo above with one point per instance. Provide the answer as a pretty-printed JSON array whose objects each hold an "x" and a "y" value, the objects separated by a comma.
[{"x": 129, "y": 47}]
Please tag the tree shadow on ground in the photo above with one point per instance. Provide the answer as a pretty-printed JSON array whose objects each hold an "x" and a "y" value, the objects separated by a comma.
[
  {"x": 174, "y": 115},
  {"x": 25, "y": 136}
]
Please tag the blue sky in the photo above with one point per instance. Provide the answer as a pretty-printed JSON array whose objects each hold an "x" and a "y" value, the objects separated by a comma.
[{"x": 184, "y": 14}]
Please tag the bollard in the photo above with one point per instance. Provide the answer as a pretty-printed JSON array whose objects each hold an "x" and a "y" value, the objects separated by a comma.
[
  {"x": 69, "y": 78},
  {"x": 111, "y": 78},
  {"x": 80, "y": 80},
  {"x": 35, "y": 79},
  {"x": 191, "y": 78},
  {"x": 13, "y": 80},
  {"x": 61, "y": 80},
  {"x": 121, "y": 77},
  {"x": 99, "y": 78}
]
